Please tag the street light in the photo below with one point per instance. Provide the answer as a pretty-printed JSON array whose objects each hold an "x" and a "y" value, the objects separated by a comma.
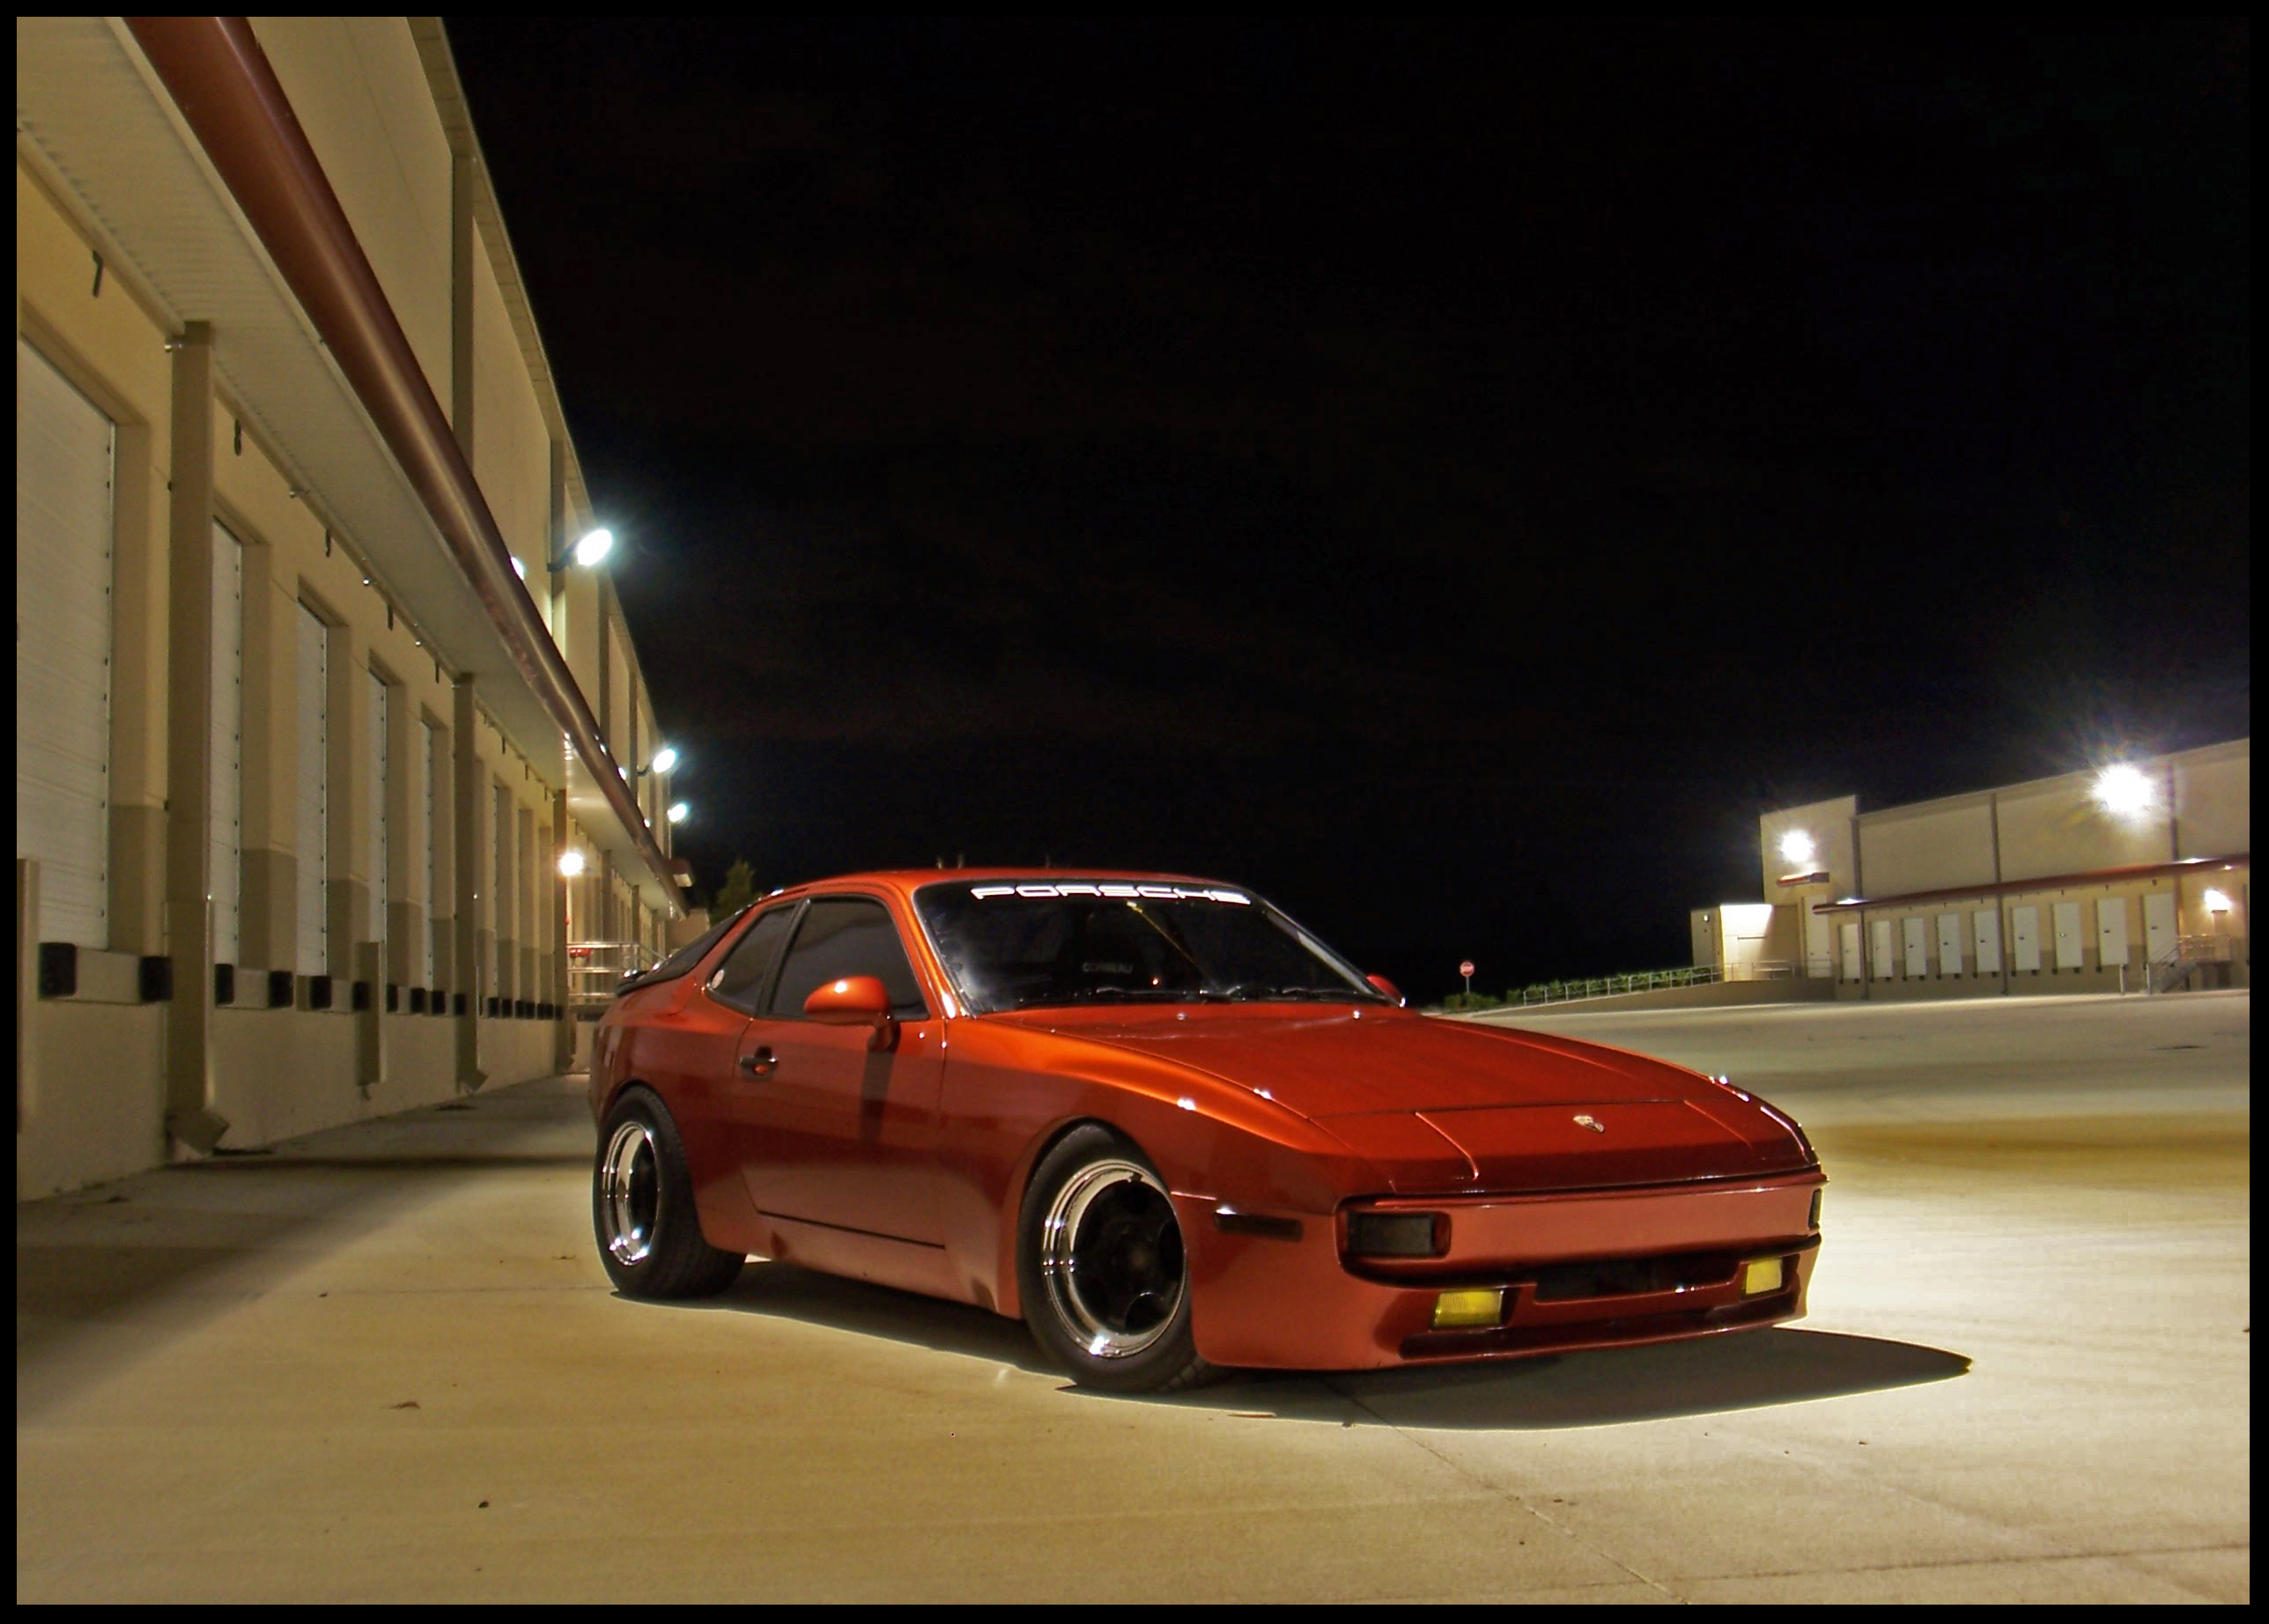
[
  {"x": 665, "y": 760},
  {"x": 571, "y": 862},
  {"x": 585, "y": 552},
  {"x": 2123, "y": 791},
  {"x": 678, "y": 810}
]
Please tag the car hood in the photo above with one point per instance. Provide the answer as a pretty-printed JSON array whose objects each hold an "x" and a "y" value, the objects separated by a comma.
[{"x": 1436, "y": 1101}]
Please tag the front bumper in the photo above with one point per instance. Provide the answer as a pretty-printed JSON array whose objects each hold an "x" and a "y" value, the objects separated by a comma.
[{"x": 1605, "y": 1268}]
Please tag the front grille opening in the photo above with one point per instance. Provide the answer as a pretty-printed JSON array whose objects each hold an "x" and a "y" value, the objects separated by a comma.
[{"x": 1627, "y": 1277}]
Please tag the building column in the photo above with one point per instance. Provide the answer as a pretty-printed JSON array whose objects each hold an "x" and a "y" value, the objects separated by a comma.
[
  {"x": 189, "y": 1117},
  {"x": 563, "y": 1030},
  {"x": 466, "y": 788},
  {"x": 441, "y": 906}
]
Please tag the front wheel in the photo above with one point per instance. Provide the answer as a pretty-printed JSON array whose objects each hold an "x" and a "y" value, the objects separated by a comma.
[
  {"x": 1106, "y": 1281},
  {"x": 642, "y": 1207}
]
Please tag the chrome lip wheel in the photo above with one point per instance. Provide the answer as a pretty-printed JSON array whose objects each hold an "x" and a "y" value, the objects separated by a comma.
[
  {"x": 630, "y": 1186},
  {"x": 1111, "y": 1258}
]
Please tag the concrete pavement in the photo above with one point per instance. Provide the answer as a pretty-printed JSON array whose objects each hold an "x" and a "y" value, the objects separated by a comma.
[{"x": 382, "y": 1363}]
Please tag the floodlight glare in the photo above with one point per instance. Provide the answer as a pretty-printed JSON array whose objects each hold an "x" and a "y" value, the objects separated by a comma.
[
  {"x": 2216, "y": 902},
  {"x": 1797, "y": 848},
  {"x": 593, "y": 547},
  {"x": 2123, "y": 791},
  {"x": 517, "y": 568},
  {"x": 664, "y": 759},
  {"x": 571, "y": 862},
  {"x": 678, "y": 811}
]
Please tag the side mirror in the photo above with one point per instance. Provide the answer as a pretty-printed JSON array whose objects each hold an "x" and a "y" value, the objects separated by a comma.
[
  {"x": 855, "y": 1000},
  {"x": 1389, "y": 988}
]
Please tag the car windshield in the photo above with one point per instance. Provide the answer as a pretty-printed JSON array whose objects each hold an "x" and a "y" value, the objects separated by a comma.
[{"x": 1015, "y": 944}]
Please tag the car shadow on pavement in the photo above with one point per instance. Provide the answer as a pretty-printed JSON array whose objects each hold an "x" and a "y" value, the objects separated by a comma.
[{"x": 1737, "y": 1370}]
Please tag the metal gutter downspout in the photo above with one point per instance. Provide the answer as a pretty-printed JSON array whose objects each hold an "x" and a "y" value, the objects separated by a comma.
[{"x": 220, "y": 80}]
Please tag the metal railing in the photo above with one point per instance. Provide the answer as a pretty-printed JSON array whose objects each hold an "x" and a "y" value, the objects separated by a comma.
[
  {"x": 596, "y": 969},
  {"x": 2175, "y": 969},
  {"x": 1653, "y": 980}
]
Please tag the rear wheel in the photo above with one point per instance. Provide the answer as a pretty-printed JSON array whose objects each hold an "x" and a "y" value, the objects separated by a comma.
[
  {"x": 642, "y": 1207},
  {"x": 1104, "y": 1279}
]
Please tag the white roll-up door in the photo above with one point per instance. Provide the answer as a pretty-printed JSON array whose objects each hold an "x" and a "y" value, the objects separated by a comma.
[
  {"x": 1915, "y": 933},
  {"x": 314, "y": 853},
  {"x": 1879, "y": 947},
  {"x": 1949, "y": 944},
  {"x": 381, "y": 759},
  {"x": 2160, "y": 934},
  {"x": 2025, "y": 938},
  {"x": 1853, "y": 971},
  {"x": 500, "y": 900},
  {"x": 2111, "y": 930},
  {"x": 1987, "y": 924},
  {"x": 2065, "y": 916},
  {"x": 226, "y": 879},
  {"x": 1819, "y": 954},
  {"x": 65, "y": 448},
  {"x": 429, "y": 753}
]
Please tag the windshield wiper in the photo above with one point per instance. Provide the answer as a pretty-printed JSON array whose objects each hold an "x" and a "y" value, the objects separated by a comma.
[{"x": 1261, "y": 992}]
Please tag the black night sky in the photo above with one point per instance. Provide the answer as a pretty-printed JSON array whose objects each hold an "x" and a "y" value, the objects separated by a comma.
[{"x": 1448, "y": 478}]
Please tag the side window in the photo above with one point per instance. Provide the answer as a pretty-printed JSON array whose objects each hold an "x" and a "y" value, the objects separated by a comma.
[
  {"x": 846, "y": 936},
  {"x": 740, "y": 979}
]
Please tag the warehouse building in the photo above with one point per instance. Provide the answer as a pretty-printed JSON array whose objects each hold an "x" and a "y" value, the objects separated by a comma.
[
  {"x": 2133, "y": 876},
  {"x": 333, "y": 754}
]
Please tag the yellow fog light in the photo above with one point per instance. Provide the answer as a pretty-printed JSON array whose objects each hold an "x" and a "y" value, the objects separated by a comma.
[
  {"x": 1761, "y": 1276},
  {"x": 1457, "y": 1310}
]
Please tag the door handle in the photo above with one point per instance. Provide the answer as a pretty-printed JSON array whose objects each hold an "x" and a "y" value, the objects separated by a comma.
[{"x": 758, "y": 1062}]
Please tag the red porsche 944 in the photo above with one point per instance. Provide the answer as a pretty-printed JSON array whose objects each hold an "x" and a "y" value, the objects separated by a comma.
[{"x": 1173, "y": 1132}]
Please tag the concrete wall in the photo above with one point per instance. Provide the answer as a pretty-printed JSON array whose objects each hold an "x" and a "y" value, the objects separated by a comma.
[
  {"x": 359, "y": 91},
  {"x": 106, "y": 1068},
  {"x": 1973, "y": 853},
  {"x": 1828, "y": 825}
]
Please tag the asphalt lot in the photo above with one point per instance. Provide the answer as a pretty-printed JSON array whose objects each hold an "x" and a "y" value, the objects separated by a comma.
[{"x": 382, "y": 1363}]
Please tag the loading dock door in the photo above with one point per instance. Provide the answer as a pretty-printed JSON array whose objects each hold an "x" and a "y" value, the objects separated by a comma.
[
  {"x": 1819, "y": 956},
  {"x": 1988, "y": 923},
  {"x": 1918, "y": 945},
  {"x": 2159, "y": 931},
  {"x": 64, "y": 454},
  {"x": 1949, "y": 943},
  {"x": 2111, "y": 930},
  {"x": 2066, "y": 916},
  {"x": 2025, "y": 938}
]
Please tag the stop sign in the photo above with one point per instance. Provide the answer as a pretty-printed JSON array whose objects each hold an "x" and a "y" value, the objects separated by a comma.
[{"x": 1465, "y": 968}]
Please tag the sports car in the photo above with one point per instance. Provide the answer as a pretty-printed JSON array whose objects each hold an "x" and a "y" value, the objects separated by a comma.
[{"x": 1174, "y": 1132}]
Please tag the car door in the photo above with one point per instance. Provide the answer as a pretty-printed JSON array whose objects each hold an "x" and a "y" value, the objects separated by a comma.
[{"x": 833, "y": 1130}]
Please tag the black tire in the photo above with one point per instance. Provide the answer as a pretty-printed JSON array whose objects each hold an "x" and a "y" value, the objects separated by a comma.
[
  {"x": 1100, "y": 1265},
  {"x": 642, "y": 1209}
]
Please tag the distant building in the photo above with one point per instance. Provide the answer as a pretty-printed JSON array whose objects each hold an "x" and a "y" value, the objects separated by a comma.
[
  {"x": 2128, "y": 877},
  {"x": 309, "y": 708}
]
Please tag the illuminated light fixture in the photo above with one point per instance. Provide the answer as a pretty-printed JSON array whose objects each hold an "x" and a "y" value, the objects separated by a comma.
[
  {"x": 2123, "y": 791},
  {"x": 2216, "y": 902},
  {"x": 571, "y": 862},
  {"x": 1797, "y": 848},
  {"x": 665, "y": 760},
  {"x": 678, "y": 811},
  {"x": 517, "y": 568},
  {"x": 1468, "y": 1309},
  {"x": 585, "y": 552}
]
